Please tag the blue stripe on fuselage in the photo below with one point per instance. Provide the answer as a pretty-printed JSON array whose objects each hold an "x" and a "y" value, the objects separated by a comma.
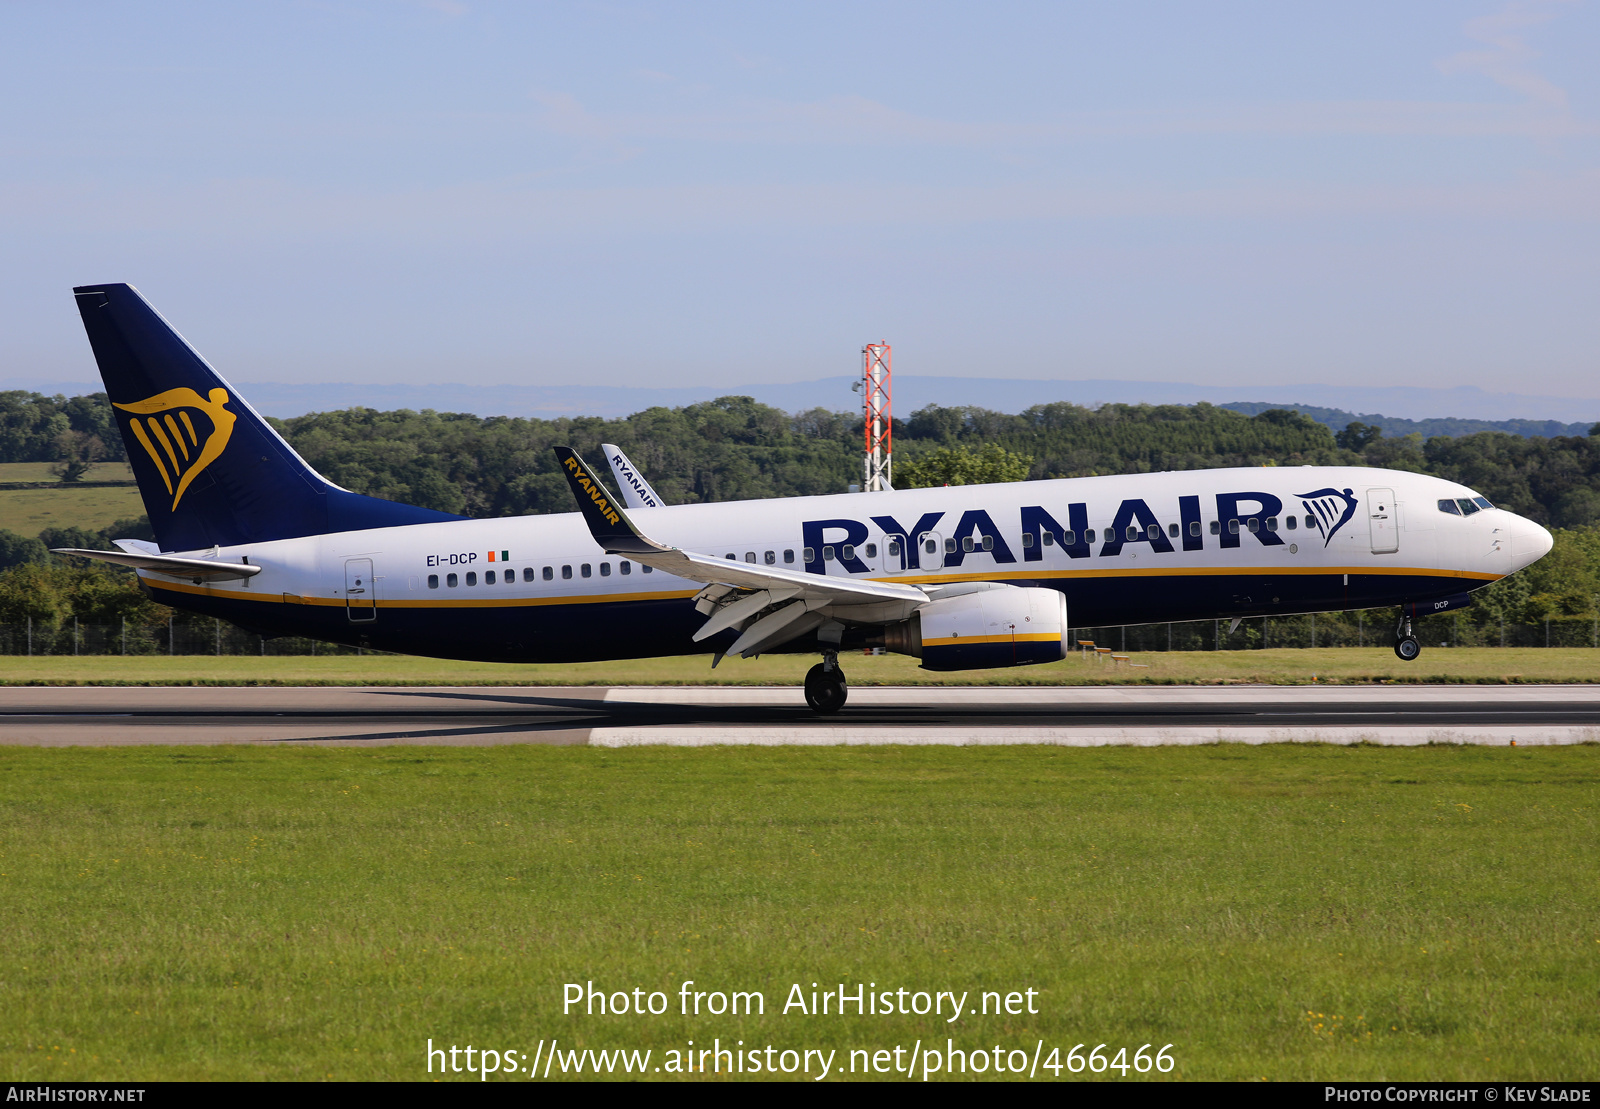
[{"x": 597, "y": 630}]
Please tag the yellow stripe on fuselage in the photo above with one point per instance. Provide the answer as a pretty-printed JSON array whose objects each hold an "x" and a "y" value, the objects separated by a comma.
[{"x": 338, "y": 601}]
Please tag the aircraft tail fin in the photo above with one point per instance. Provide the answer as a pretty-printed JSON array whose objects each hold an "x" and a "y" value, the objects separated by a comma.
[
  {"x": 636, "y": 491},
  {"x": 211, "y": 470}
]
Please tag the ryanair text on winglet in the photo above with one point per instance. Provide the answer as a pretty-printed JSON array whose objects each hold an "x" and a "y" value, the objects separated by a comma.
[{"x": 593, "y": 489}]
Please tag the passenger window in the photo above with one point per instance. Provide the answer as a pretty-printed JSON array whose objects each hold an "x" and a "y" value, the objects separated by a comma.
[
  {"x": 1272, "y": 523},
  {"x": 1233, "y": 527},
  {"x": 1172, "y": 531},
  {"x": 788, "y": 556},
  {"x": 731, "y": 557},
  {"x": 1467, "y": 506},
  {"x": 848, "y": 552},
  {"x": 950, "y": 546},
  {"x": 1194, "y": 527},
  {"x": 488, "y": 577},
  {"x": 872, "y": 550},
  {"x": 750, "y": 557},
  {"x": 1311, "y": 521},
  {"x": 827, "y": 554},
  {"x": 433, "y": 581},
  {"x": 472, "y": 577},
  {"x": 511, "y": 577},
  {"x": 966, "y": 544},
  {"x": 1027, "y": 539},
  {"x": 605, "y": 569},
  {"x": 624, "y": 568},
  {"x": 1132, "y": 533},
  {"x": 810, "y": 554},
  {"x": 930, "y": 547},
  {"x": 1291, "y": 521},
  {"x": 549, "y": 573},
  {"x": 1153, "y": 531},
  {"x": 649, "y": 569},
  {"x": 450, "y": 580},
  {"x": 1216, "y": 528},
  {"x": 586, "y": 570},
  {"x": 566, "y": 573},
  {"x": 988, "y": 542},
  {"x": 1048, "y": 538},
  {"x": 1088, "y": 536},
  {"x": 770, "y": 558}
]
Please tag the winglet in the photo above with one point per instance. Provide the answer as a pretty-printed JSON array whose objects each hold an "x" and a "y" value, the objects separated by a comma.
[{"x": 608, "y": 523}]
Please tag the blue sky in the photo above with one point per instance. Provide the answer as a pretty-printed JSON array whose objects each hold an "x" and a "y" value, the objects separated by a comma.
[{"x": 681, "y": 194}]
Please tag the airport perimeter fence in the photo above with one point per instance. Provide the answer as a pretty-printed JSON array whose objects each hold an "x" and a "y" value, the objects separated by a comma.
[
  {"x": 1372, "y": 628},
  {"x": 203, "y": 637},
  {"x": 1367, "y": 628}
]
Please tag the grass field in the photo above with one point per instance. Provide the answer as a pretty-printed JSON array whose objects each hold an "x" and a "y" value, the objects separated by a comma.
[
  {"x": 40, "y": 471},
  {"x": 1280, "y": 912},
  {"x": 30, "y": 511},
  {"x": 1288, "y": 666}
]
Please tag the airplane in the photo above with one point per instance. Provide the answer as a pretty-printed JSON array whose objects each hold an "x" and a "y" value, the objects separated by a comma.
[{"x": 968, "y": 577}]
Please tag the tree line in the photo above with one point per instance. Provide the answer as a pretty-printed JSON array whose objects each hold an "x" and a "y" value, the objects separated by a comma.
[{"x": 733, "y": 448}]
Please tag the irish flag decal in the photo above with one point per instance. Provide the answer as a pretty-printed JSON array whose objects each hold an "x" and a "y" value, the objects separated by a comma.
[{"x": 505, "y": 556}]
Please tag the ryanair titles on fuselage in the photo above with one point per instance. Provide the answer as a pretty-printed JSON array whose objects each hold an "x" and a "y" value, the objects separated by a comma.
[{"x": 1237, "y": 514}]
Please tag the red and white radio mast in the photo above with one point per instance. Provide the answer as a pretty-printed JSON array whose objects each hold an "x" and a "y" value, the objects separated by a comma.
[{"x": 878, "y": 466}]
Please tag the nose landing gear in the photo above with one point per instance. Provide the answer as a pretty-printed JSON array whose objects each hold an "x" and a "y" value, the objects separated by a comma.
[
  {"x": 1406, "y": 647},
  {"x": 825, "y": 686}
]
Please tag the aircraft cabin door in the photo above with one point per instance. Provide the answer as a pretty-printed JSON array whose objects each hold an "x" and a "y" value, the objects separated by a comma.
[
  {"x": 360, "y": 594},
  {"x": 931, "y": 556},
  {"x": 1383, "y": 520}
]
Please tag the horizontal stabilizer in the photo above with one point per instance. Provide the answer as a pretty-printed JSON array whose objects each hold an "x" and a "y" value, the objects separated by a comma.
[{"x": 198, "y": 569}]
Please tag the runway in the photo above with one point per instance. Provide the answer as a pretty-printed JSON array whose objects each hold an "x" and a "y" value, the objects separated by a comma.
[{"x": 704, "y": 716}]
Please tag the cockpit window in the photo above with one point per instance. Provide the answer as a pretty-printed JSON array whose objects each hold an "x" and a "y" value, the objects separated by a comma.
[
  {"x": 1468, "y": 505},
  {"x": 1482, "y": 502},
  {"x": 1450, "y": 507}
]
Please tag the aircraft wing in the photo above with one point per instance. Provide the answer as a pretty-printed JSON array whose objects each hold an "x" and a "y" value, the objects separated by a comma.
[
  {"x": 200, "y": 569},
  {"x": 798, "y": 601},
  {"x": 636, "y": 491}
]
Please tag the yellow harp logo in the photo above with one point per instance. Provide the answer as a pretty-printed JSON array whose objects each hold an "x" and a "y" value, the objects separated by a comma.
[{"x": 183, "y": 449}]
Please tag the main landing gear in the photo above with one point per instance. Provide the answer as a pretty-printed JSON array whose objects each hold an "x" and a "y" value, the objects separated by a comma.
[
  {"x": 825, "y": 686},
  {"x": 1405, "y": 643}
]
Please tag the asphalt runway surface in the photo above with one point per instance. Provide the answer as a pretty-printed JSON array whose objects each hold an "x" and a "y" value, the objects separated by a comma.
[{"x": 706, "y": 716}]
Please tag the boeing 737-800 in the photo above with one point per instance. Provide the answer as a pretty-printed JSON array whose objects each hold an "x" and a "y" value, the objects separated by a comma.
[{"x": 966, "y": 577}]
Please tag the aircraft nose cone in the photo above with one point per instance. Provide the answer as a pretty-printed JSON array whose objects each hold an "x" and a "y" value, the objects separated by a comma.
[{"x": 1529, "y": 542}]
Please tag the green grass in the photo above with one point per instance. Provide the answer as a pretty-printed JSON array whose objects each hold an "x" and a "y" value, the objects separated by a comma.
[
  {"x": 40, "y": 471},
  {"x": 1279, "y": 912},
  {"x": 30, "y": 511},
  {"x": 1289, "y": 666}
]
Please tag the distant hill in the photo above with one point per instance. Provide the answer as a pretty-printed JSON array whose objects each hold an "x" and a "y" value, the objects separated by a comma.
[{"x": 1394, "y": 427}]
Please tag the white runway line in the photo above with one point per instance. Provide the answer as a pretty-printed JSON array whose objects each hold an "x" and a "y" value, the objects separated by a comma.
[
  {"x": 851, "y": 735},
  {"x": 1069, "y": 696},
  {"x": 1387, "y": 729}
]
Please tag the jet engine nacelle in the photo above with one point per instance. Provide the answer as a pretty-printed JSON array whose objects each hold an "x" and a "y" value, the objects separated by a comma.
[{"x": 993, "y": 625}]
